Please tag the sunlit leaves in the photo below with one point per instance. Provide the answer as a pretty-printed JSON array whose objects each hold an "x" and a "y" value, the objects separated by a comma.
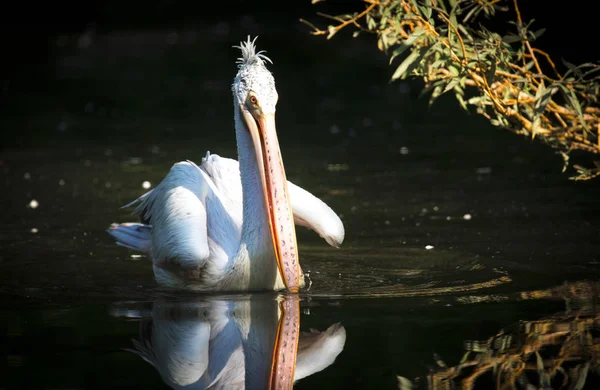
[
  {"x": 410, "y": 63},
  {"x": 446, "y": 43}
]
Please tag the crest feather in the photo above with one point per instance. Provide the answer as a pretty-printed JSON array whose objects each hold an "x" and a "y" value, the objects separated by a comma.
[{"x": 249, "y": 54}]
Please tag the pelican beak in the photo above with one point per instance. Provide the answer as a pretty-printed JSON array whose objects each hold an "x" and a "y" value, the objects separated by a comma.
[{"x": 281, "y": 220}]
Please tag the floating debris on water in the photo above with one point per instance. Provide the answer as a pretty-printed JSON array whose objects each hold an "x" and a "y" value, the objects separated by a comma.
[
  {"x": 429, "y": 247},
  {"x": 404, "y": 151},
  {"x": 133, "y": 161},
  {"x": 27, "y": 176},
  {"x": 61, "y": 182},
  {"x": 467, "y": 217},
  {"x": 34, "y": 230},
  {"x": 484, "y": 170},
  {"x": 337, "y": 167},
  {"x": 146, "y": 185},
  {"x": 33, "y": 204}
]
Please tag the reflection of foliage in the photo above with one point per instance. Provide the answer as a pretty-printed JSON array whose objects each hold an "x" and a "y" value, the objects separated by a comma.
[
  {"x": 557, "y": 352},
  {"x": 438, "y": 43},
  {"x": 561, "y": 351}
]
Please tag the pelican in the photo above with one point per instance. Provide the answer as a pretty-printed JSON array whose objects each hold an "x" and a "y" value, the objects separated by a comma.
[
  {"x": 229, "y": 225},
  {"x": 230, "y": 343}
]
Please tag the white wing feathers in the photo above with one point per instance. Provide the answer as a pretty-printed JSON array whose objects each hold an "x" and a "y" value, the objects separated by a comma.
[
  {"x": 176, "y": 209},
  {"x": 133, "y": 235},
  {"x": 311, "y": 212}
]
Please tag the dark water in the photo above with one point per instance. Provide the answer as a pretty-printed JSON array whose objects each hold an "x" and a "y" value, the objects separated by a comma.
[{"x": 513, "y": 243}]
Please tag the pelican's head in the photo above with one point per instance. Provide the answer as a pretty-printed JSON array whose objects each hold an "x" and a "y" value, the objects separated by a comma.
[
  {"x": 255, "y": 97},
  {"x": 254, "y": 86}
]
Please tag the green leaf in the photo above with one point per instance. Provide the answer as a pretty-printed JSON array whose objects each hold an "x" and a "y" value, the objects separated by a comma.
[
  {"x": 577, "y": 107},
  {"x": 539, "y": 33},
  {"x": 437, "y": 91},
  {"x": 464, "y": 32},
  {"x": 454, "y": 71},
  {"x": 332, "y": 32},
  {"x": 404, "y": 383},
  {"x": 477, "y": 100},
  {"x": 438, "y": 64},
  {"x": 529, "y": 65},
  {"x": 451, "y": 85},
  {"x": 453, "y": 21},
  {"x": 425, "y": 11},
  {"x": 542, "y": 98},
  {"x": 566, "y": 63},
  {"x": 592, "y": 71},
  {"x": 472, "y": 13},
  {"x": 399, "y": 50},
  {"x": 383, "y": 22},
  {"x": 571, "y": 98},
  {"x": 490, "y": 74},
  {"x": 409, "y": 63},
  {"x": 406, "y": 44},
  {"x": 371, "y": 24},
  {"x": 461, "y": 101},
  {"x": 511, "y": 38},
  {"x": 535, "y": 125}
]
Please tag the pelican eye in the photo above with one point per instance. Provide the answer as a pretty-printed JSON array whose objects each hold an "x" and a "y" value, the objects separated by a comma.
[{"x": 253, "y": 100}]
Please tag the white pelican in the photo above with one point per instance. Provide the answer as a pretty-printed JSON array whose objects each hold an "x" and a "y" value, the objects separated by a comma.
[
  {"x": 230, "y": 344},
  {"x": 226, "y": 225}
]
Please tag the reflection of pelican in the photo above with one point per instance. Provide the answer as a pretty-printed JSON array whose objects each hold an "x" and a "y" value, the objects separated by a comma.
[
  {"x": 212, "y": 231},
  {"x": 216, "y": 344}
]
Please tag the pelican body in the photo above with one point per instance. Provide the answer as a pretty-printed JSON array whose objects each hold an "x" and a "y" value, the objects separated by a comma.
[
  {"x": 229, "y": 225},
  {"x": 231, "y": 344}
]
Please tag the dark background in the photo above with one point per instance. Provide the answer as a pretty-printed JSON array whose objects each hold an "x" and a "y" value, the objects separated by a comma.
[
  {"x": 34, "y": 79},
  {"x": 28, "y": 29}
]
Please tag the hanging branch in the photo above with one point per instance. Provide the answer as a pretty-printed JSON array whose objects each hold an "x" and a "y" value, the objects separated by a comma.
[{"x": 437, "y": 41}]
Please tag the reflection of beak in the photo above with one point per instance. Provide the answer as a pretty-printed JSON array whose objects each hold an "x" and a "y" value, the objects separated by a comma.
[
  {"x": 274, "y": 183},
  {"x": 285, "y": 352}
]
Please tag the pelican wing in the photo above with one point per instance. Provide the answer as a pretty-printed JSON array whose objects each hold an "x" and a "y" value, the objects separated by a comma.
[
  {"x": 318, "y": 350},
  {"x": 309, "y": 211},
  {"x": 176, "y": 210},
  {"x": 198, "y": 210},
  {"x": 313, "y": 213}
]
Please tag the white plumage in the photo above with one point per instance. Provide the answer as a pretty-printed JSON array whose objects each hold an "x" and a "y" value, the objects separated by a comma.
[
  {"x": 227, "y": 225},
  {"x": 216, "y": 344}
]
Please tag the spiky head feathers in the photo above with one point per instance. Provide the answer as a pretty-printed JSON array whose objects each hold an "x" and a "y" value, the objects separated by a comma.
[{"x": 254, "y": 76}]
